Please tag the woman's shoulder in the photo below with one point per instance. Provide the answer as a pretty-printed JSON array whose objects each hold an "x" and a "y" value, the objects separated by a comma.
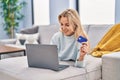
[
  {"x": 58, "y": 34},
  {"x": 56, "y": 37}
]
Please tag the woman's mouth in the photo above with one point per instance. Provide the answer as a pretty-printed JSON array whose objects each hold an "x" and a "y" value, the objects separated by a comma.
[{"x": 65, "y": 30}]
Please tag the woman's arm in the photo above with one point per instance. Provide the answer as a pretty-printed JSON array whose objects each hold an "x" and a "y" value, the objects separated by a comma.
[
  {"x": 84, "y": 49},
  {"x": 79, "y": 64}
]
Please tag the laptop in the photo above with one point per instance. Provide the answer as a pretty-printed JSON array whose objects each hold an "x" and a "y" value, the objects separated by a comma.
[{"x": 43, "y": 56}]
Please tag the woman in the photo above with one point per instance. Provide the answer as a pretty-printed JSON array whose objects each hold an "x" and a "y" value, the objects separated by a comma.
[{"x": 66, "y": 38}]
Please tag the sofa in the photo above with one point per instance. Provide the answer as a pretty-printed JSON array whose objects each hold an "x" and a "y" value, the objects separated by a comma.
[{"x": 104, "y": 68}]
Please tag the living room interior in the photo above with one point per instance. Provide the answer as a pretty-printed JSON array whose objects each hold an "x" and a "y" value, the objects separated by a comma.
[{"x": 40, "y": 22}]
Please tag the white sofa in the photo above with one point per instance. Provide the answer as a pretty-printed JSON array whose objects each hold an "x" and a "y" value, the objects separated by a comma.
[{"x": 16, "y": 68}]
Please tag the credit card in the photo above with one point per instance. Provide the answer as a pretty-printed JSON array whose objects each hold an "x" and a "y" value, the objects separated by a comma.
[{"x": 82, "y": 39}]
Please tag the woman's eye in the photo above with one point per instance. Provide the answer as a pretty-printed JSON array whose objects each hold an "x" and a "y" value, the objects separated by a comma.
[
  {"x": 67, "y": 25},
  {"x": 61, "y": 24}
]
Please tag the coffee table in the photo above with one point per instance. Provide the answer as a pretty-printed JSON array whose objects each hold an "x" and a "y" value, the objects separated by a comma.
[{"x": 4, "y": 49}]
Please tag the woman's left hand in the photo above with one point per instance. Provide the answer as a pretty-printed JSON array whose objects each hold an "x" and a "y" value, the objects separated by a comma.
[{"x": 84, "y": 49}]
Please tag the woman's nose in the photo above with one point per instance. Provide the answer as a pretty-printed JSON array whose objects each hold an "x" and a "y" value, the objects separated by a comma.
[{"x": 63, "y": 27}]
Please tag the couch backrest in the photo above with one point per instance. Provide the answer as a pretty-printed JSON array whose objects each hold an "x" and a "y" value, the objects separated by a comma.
[
  {"x": 95, "y": 32},
  {"x": 32, "y": 30},
  {"x": 46, "y": 32}
]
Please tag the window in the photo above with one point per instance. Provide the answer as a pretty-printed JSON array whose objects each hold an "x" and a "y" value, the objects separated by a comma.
[
  {"x": 41, "y": 12},
  {"x": 97, "y": 11}
]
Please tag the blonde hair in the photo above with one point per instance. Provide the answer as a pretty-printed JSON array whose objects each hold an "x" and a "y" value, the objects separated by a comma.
[{"x": 74, "y": 20}]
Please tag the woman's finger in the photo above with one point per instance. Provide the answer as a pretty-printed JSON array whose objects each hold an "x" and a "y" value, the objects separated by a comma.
[
  {"x": 84, "y": 43},
  {"x": 84, "y": 49}
]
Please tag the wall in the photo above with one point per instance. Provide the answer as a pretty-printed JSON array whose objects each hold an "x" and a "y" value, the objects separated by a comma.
[
  {"x": 117, "y": 11},
  {"x": 57, "y": 6},
  {"x": 27, "y": 22},
  {"x": 27, "y": 11},
  {"x": 2, "y": 32}
]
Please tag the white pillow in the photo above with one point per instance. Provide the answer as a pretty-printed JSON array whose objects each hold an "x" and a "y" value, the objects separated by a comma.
[{"x": 27, "y": 38}]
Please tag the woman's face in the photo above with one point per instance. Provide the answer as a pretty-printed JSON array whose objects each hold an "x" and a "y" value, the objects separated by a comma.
[{"x": 66, "y": 26}]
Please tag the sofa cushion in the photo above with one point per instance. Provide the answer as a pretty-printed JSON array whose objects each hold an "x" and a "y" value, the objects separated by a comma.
[
  {"x": 46, "y": 32},
  {"x": 3, "y": 76},
  {"x": 96, "y": 32},
  {"x": 111, "y": 66},
  {"x": 32, "y": 30},
  {"x": 18, "y": 68},
  {"x": 85, "y": 27},
  {"x": 23, "y": 39}
]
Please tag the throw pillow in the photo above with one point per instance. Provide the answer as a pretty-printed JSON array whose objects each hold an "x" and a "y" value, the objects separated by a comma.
[{"x": 23, "y": 39}]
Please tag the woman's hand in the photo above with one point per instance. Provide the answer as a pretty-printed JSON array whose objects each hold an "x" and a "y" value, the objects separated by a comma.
[{"x": 84, "y": 49}]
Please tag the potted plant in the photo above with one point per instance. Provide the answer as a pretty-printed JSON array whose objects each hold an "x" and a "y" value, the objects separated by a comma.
[{"x": 11, "y": 12}]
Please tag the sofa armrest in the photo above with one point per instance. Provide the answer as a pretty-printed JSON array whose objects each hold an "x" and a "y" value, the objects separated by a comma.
[
  {"x": 7, "y": 41},
  {"x": 111, "y": 66},
  {"x": 31, "y": 30}
]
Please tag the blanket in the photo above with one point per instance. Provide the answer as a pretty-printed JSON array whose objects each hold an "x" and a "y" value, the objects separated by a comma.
[{"x": 109, "y": 43}]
